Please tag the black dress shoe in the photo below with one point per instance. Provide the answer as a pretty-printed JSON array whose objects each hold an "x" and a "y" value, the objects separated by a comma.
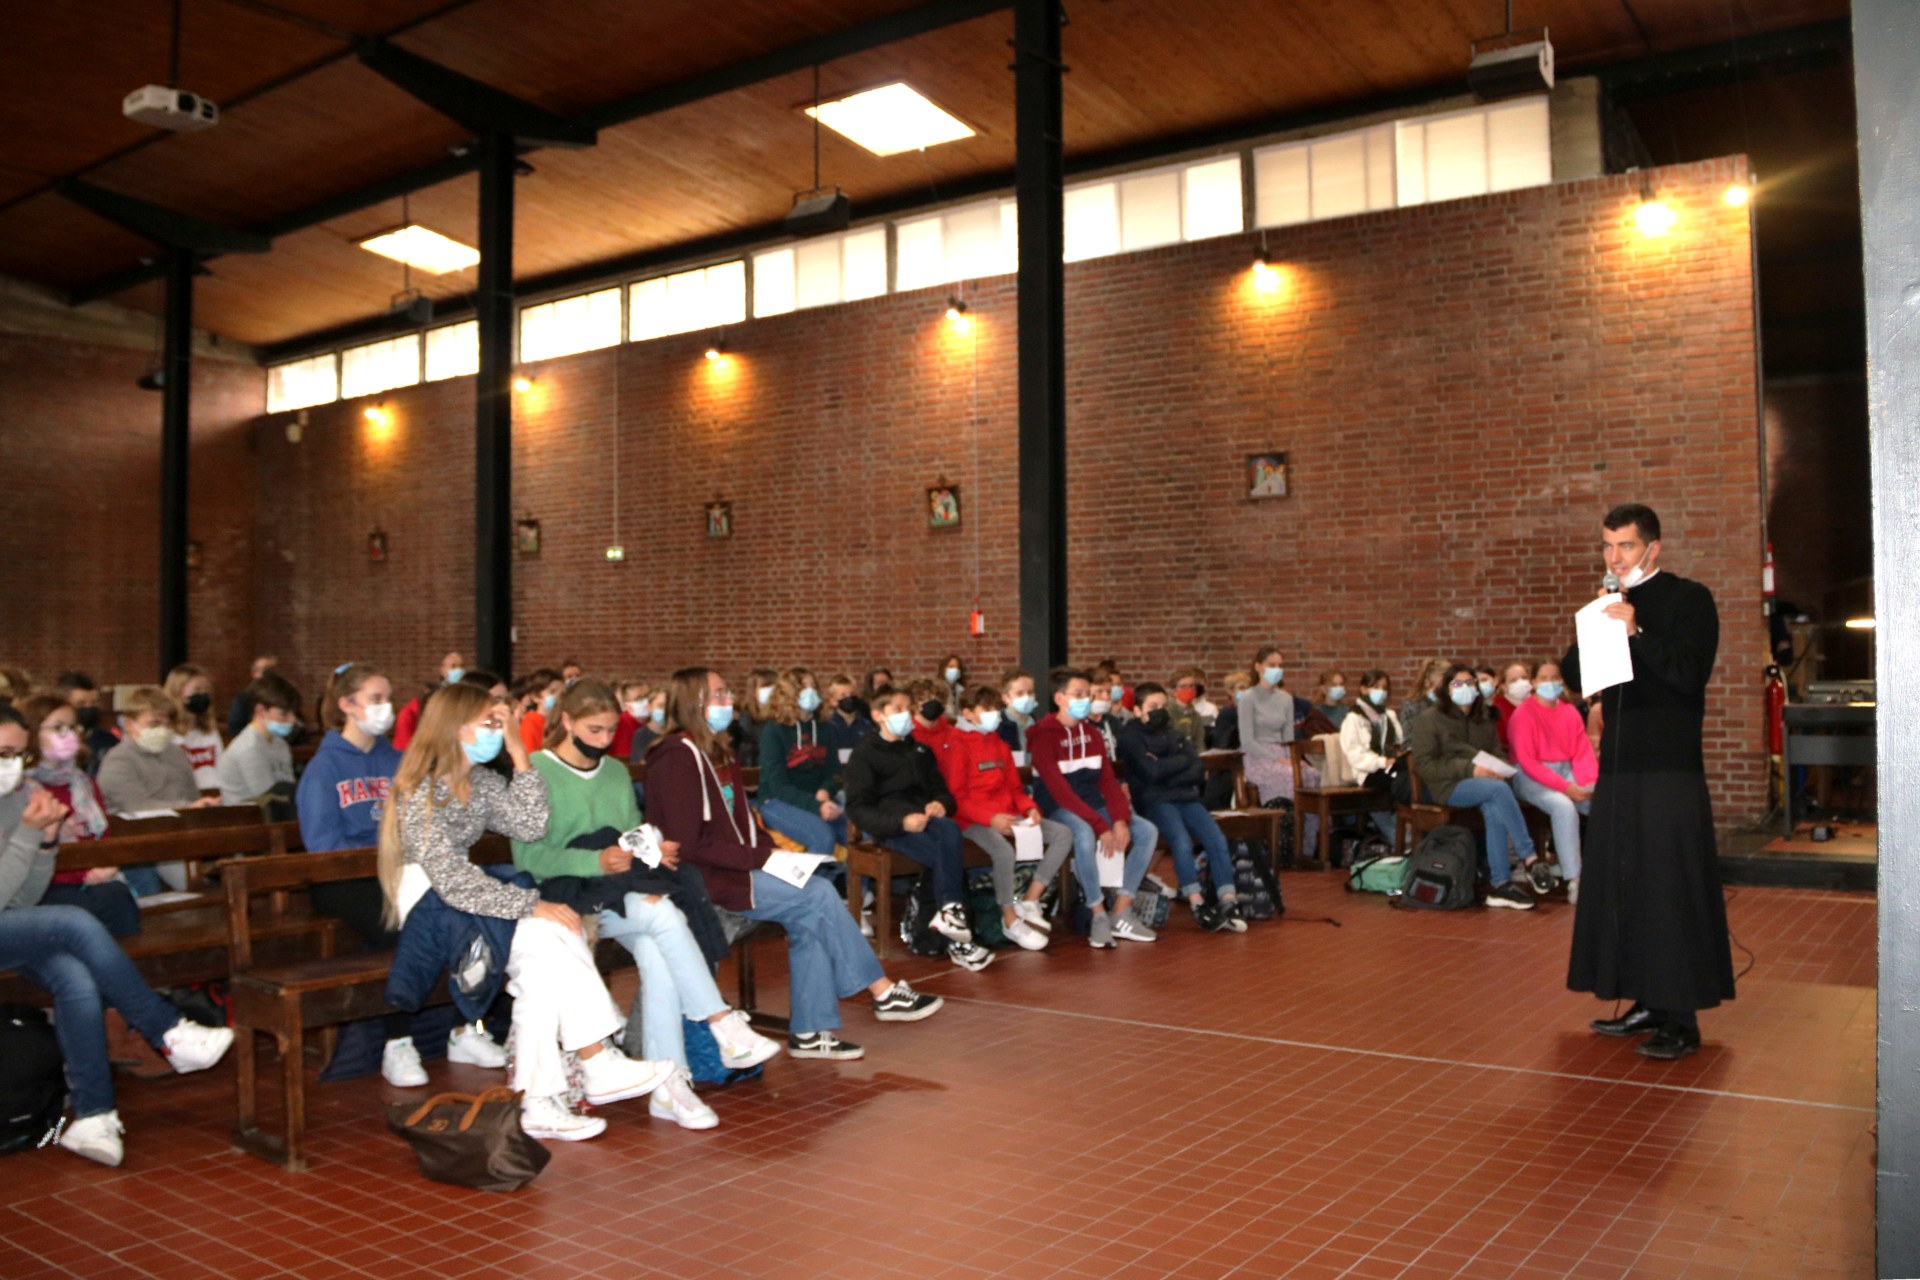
[
  {"x": 1671, "y": 1042},
  {"x": 1638, "y": 1021}
]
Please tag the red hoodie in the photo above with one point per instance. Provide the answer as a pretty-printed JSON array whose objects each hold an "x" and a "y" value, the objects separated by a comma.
[
  {"x": 939, "y": 737},
  {"x": 984, "y": 780},
  {"x": 1057, "y": 750}
]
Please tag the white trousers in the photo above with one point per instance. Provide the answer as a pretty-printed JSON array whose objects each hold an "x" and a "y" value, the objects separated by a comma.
[{"x": 560, "y": 1005}]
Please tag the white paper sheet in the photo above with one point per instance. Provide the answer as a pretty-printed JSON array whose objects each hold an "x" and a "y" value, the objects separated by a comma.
[
  {"x": 1486, "y": 760},
  {"x": 1113, "y": 868},
  {"x": 846, "y": 754},
  {"x": 1019, "y": 759},
  {"x": 136, "y": 815},
  {"x": 1605, "y": 659},
  {"x": 171, "y": 896},
  {"x": 1027, "y": 844},
  {"x": 794, "y": 868}
]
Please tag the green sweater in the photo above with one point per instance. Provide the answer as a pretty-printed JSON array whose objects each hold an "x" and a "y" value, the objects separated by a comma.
[
  {"x": 578, "y": 803},
  {"x": 800, "y": 786}
]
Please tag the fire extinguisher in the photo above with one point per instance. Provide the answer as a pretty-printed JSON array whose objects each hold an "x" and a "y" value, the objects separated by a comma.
[
  {"x": 1776, "y": 702},
  {"x": 1766, "y": 583}
]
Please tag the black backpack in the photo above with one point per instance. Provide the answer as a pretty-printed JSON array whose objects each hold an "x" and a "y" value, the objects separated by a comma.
[
  {"x": 916, "y": 922},
  {"x": 33, "y": 1079},
  {"x": 1254, "y": 881},
  {"x": 1441, "y": 871}
]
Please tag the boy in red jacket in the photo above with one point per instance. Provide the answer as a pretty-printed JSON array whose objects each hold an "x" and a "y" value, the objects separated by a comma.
[{"x": 990, "y": 802}]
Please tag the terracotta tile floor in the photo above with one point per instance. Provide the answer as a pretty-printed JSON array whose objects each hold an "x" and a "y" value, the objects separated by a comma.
[{"x": 1403, "y": 1096}]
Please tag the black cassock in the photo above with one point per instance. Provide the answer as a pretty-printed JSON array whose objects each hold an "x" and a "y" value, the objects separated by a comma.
[{"x": 1651, "y": 924}]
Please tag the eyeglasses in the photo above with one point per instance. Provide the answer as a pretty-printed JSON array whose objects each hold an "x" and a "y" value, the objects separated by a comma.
[{"x": 1464, "y": 684}]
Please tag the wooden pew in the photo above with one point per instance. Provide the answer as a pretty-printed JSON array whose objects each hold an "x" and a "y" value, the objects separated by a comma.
[
  {"x": 1248, "y": 819},
  {"x": 1325, "y": 801}
]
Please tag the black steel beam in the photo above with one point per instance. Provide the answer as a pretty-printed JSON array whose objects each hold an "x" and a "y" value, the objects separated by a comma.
[
  {"x": 1040, "y": 178},
  {"x": 163, "y": 225},
  {"x": 472, "y": 104},
  {"x": 1816, "y": 44},
  {"x": 493, "y": 412},
  {"x": 176, "y": 382}
]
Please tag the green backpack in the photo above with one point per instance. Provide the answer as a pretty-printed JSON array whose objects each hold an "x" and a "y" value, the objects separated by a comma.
[{"x": 1386, "y": 875}]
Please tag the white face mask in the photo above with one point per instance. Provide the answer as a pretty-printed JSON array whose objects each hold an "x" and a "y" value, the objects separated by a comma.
[
  {"x": 638, "y": 710},
  {"x": 763, "y": 693},
  {"x": 154, "y": 739},
  {"x": 1101, "y": 706},
  {"x": 1635, "y": 576},
  {"x": 11, "y": 771},
  {"x": 379, "y": 719},
  {"x": 1519, "y": 689}
]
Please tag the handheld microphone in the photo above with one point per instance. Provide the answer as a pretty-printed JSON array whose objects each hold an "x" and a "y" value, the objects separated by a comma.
[{"x": 1610, "y": 583}]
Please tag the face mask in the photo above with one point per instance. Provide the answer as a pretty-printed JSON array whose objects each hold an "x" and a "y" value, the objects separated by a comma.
[
  {"x": 1119, "y": 693},
  {"x": 989, "y": 721},
  {"x": 60, "y": 745},
  {"x": 199, "y": 704},
  {"x": 899, "y": 723},
  {"x": 280, "y": 728},
  {"x": 763, "y": 694},
  {"x": 1519, "y": 689},
  {"x": 953, "y": 675},
  {"x": 454, "y": 674},
  {"x": 1486, "y": 688},
  {"x": 1378, "y": 697},
  {"x": 1157, "y": 718},
  {"x": 1635, "y": 576},
  {"x": 485, "y": 746},
  {"x": 154, "y": 739},
  {"x": 719, "y": 719},
  {"x": 931, "y": 709},
  {"x": 638, "y": 710},
  {"x": 1025, "y": 704},
  {"x": 1273, "y": 675},
  {"x": 848, "y": 705},
  {"x": 11, "y": 772},
  {"x": 546, "y": 705},
  {"x": 1335, "y": 692},
  {"x": 809, "y": 701},
  {"x": 89, "y": 718},
  {"x": 1186, "y": 696},
  {"x": 1101, "y": 706},
  {"x": 1433, "y": 695},
  {"x": 1463, "y": 695},
  {"x": 379, "y": 720},
  {"x": 657, "y": 718},
  {"x": 1549, "y": 690},
  {"x": 588, "y": 750},
  {"x": 1079, "y": 708}
]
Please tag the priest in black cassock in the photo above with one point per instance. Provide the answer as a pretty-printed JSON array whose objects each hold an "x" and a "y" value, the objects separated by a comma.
[{"x": 1651, "y": 923}]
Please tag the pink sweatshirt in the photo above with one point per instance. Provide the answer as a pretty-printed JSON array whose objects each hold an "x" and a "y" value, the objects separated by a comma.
[{"x": 1543, "y": 732}]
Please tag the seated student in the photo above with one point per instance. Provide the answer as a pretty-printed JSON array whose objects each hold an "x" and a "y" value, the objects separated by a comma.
[
  {"x": 441, "y": 804},
  {"x": 651, "y": 728},
  {"x": 1516, "y": 687},
  {"x": 649, "y": 912},
  {"x": 879, "y": 679},
  {"x": 798, "y": 773},
  {"x": 258, "y": 766},
  {"x": 452, "y": 668},
  {"x": 1332, "y": 702},
  {"x": 1267, "y": 725},
  {"x": 989, "y": 800},
  {"x": 570, "y": 672},
  {"x": 150, "y": 771},
  {"x": 15, "y": 685},
  {"x": 1426, "y": 691},
  {"x": 1075, "y": 785},
  {"x": 342, "y": 793},
  {"x": 57, "y": 762},
  {"x": 96, "y": 730},
  {"x": 1183, "y": 715},
  {"x": 189, "y": 686},
  {"x": 534, "y": 696},
  {"x": 696, "y": 796},
  {"x": 1166, "y": 777},
  {"x": 1557, "y": 768},
  {"x": 897, "y": 795},
  {"x": 1110, "y": 699},
  {"x": 635, "y": 696},
  {"x": 1444, "y": 743},
  {"x": 953, "y": 670},
  {"x": 1372, "y": 739},
  {"x": 848, "y": 718},
  {"x": 1021, "y": 706},
  {"x": 751, "y": 713},
  {"x": 70, "y": 954},
  {"x": 927, "y": 699},
  {"x": 1224, "y": 733},
  {"x": 240, "y": 710}
]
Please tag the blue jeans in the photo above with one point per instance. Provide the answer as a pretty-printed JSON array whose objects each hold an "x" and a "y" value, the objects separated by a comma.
[
  {"x": 675, "y": 981},
  {"x": 1181, "y": 823},
  {"x": 827, "y": 959},
  {"x": 942, "y": 852},
  {"x": 1086, "y": 854},
  {"x": 813, "y": 832},
  {"x": 1561, "y": 810},
  {"x": 71, "y": 954},
  {"x": 1501, "y": 812}
]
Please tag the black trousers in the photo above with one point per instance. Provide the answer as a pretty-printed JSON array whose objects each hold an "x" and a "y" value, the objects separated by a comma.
[{"x": 361, "y": 906}]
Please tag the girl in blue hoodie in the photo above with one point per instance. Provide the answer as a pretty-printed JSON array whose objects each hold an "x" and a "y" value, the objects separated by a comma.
[{"x": 341, "y": 796}]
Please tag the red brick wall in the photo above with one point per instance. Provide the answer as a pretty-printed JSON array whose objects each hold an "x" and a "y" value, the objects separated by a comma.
[
  {"x": 80, "y": 454},
  {"x": 1462, "y": 390}
]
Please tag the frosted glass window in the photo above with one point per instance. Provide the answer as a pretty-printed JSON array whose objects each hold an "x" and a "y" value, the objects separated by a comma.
[
  {"x": 817, "y": 273},
  {"x": 315, "y": 380},
  {"x": 1010, "y": 234},
  {"x": 973, "y": 242},
  {"x": 1456, "y": 155},
  {"x": 704, "y": 298},
  {"x": 1282, "y": 185},
  {"x": 1519, "y": 145},
  {"x": 864, "y": 264},
  {"x": 1381, "y": 193},
  {"x": 1149, "y": 210},
  {"x": 1339, "y": 166},
  {"x": 1092, "y": 221},
  {"x": 378, "y": 366},
  {"x": 1212, "y": 203},
  {"x": 773, "y": 282},
  {"x": 453, "y": 350},
  {"x": 919, "y": 254},
  {"x": 585, "y": 322},
  {"x": 960, "y": 244}
]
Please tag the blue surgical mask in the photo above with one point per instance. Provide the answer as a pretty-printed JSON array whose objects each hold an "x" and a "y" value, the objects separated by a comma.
[
  {"x": 280, "y": 728},
  {"x": 1118, "y": 693},
  {"x": 809, "y": 701},
  {"x": 485, "y": 746},
  {"x": 1463, "y": 695},
  {"x": 657, "y": 718},
  {"x": 454, "y": 674},
  {"x": 719, "y": 717},
  {"x": 1079, "y": 708},
  {"x": 1025, "y": 704},
  {"x": 953, "y": 675},
  {"x": 1378, "y": 697},
  {"x": 1486, "y": 688},
  {"x": 1549, "y": 690},
  {"x": 546, "y": 705},
  {"x": 1335, "y": 692},
  {"x": 1273, "y": 675},
  {"x": 989, "y": 721},
  {"x": 899, "y": 723}
]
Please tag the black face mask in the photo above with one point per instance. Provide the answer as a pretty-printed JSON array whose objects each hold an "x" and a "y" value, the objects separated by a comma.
[
  {"x": 588, "y": 750},
  {"x": 931, "y": 709},
  {"x": 1157, "y": 718},
  {"x": 198, "y": 704},
  {"x": 848, "y": 705},
  {"x": 88, "y": 717}
]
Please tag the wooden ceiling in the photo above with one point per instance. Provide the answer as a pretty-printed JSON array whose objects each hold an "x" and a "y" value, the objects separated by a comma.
[{"x": 303, "y": 120}]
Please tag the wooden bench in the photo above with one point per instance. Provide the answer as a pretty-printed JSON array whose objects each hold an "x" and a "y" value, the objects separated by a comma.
[
  {"x": 1248, "y": 819},
  {"x": 1325, "y": 802},
  {"x": 1412, "y": 821}
]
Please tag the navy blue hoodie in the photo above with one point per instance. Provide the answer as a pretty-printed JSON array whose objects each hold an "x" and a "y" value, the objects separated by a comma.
[{"x": 343, "y": 792}]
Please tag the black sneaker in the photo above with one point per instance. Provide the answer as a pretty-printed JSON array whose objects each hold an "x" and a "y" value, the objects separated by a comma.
[
  {"x": 1231, "y": 919},
  {"x": 903, "y": 1004},
  {"x": 823, "y": 1044},
  {"x": 1540, "y": 877},
  {"x": 1506, "y": 895},
  {"x": 1209, "y": 917}
]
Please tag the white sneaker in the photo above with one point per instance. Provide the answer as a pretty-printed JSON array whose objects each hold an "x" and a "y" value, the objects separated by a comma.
[
  {"x": 866, "y": 924},
  {"x": 1030, "y": 913},
  {"x": 676, "y": 1101},
  {"x": 1573, "y": 892},
  {"x": 1025, "y": 935},
  {"x": 400, "y": 1064},
  {"x": 473, "y": 1046},
  {"x": 950, "y": 922},
  {"x": 611, "y": 1075},
  {"x": 741, "y": 1047},
  {"x": 192, "y": 1047},
  {"x": 970, "y": 956},
  {"x": 97, "y": 1138},
  {"x": 551, "y": 1118}
]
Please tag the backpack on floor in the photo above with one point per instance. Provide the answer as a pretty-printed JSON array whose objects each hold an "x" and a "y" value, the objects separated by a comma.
[
  {"x": 704, "y": 1062},
  {"x": 1254, "y": 881},
  {"x": 984, "y": 907},
  {"x": 1386, "y": 873},
  {"x": 916, "y": 922},
  {"x": 33, "y": 1081},
  {"x": 1442, "y": 870},
  {"x": 1153, "y": 902}
]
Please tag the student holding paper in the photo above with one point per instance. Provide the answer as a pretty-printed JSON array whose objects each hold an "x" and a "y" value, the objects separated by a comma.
[
  {"x": 1557, "y": 765},
  {"x": 1457, "y": 757}
]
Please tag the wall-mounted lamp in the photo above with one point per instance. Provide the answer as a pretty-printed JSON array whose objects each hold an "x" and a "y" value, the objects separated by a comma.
[
  {"x": 1654, "y": 217},
  {"x": 377, "y": 414},
  {"x": 956, "y": 308},
  {"x": 1860, "y": 624},
  {"x": 715, "y": 351},
  {"x": 523, "y": 384},
  {"x": 1738, "y": 194},
  {"x": 1266, "y": 277}
]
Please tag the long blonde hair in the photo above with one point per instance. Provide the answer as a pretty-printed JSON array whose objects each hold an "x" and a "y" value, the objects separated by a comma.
[
  {"x": 177, "y": 681},
  {"x": 434, "y": 755}
]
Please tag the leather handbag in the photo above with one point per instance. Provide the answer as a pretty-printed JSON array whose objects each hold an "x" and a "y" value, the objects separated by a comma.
[{"x": 470, "y": 1139}]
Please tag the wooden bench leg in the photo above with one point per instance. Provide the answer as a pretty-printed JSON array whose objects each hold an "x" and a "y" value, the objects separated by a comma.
[
  {"x": 293, "y": 1083},
  {"x": 883, "y": 930},
  {"x": 245, "y": 1104}
]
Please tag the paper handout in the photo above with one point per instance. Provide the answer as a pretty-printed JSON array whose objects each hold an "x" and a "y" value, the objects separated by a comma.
[
  {"x": 1605, "y": 659},
  {"x": 794, "y": 868},
  {"x": 1113, "y": 867},
  {"x": 1493, "y": 764},
  {"x": 1026, "y": 842}
]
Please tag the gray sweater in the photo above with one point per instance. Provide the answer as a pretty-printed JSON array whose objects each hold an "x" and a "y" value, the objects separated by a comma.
[
  {"x": 437, "y": 835},
  {"x": 25, "y": 867},
  {"x": 1266, "y": 716},
  {"x": 133, "y": 780},
  {"x": 253, "y": 765}
]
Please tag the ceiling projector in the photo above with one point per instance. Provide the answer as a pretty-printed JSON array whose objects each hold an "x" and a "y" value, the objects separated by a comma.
[
  {"x": 1512, "y": 71},
  {"x": 164, "y": 107}
]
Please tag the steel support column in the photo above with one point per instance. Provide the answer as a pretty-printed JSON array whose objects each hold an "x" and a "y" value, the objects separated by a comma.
[
  {"x": 493, "y": 413},
  {"x": 176, "y": 377},
  {"x": 1038, "y": 182}
]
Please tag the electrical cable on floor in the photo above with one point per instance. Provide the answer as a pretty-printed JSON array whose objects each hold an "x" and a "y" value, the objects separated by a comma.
[{"x": 1734, "y": 938}]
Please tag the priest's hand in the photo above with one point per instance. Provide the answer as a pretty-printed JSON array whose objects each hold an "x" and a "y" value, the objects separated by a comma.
[{"x": 1622, "y": 610}]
